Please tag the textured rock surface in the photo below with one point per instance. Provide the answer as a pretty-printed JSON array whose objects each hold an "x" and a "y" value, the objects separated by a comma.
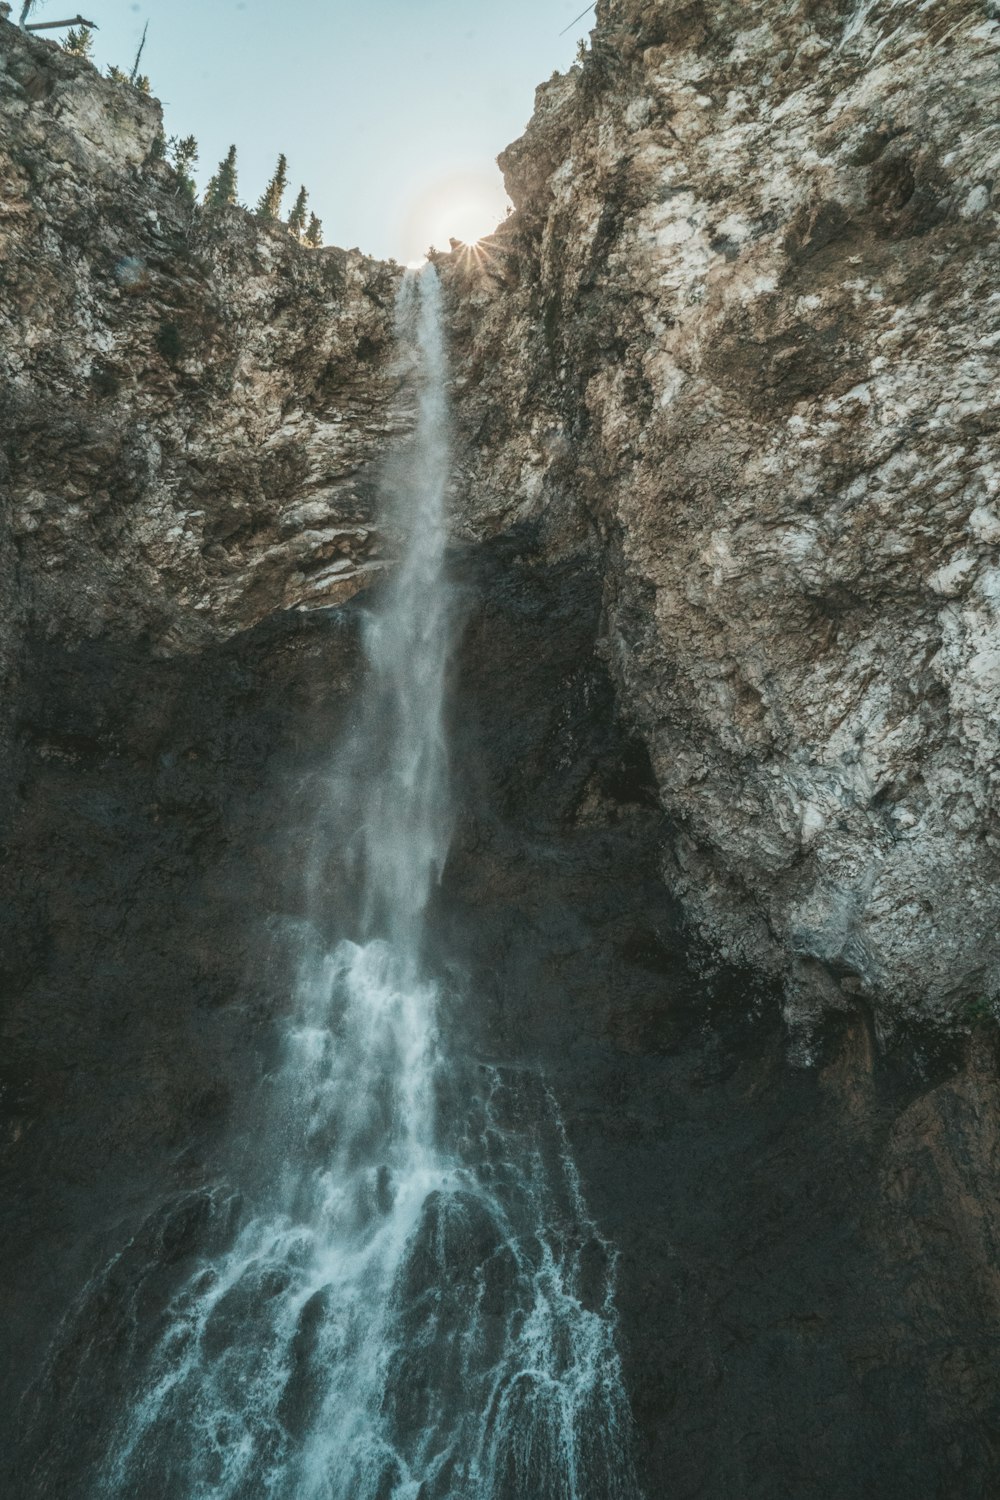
[
  {"x": 743, "y": 328},
  {"x": 190, "y": 403},
  {"x": 808, "y": 1282}
]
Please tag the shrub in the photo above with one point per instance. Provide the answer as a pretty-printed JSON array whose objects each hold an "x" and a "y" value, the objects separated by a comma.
[
  {"x": 79, "y": 42},
  {"x": 168, "y": 341}
]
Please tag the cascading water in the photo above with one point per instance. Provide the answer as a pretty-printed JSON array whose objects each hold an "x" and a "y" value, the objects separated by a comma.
[{"x": 415, "y": 1304}]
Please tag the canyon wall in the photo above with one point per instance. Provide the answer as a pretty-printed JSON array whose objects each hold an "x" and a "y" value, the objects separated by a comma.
[
  {"x": 738, "y": 340},
  {"x": 742, "y": 332},
  {"x": 190, "y": 403},
  {"x": 726, "y": 724}
]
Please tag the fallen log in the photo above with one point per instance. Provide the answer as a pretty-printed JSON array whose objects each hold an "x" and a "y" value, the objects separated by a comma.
[{"x": 55, "y": 25}]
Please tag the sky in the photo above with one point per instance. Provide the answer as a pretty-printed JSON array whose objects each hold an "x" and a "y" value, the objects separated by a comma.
[{"x": 391, "y": 112}]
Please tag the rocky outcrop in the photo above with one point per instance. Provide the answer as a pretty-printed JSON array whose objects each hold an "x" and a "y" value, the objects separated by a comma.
[
  {"x": 191, "y": 403},
  {"x": 742, "y": 331}
]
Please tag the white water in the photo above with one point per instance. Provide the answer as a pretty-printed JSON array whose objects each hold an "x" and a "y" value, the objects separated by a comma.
[{"x": 416, "y": 1305}]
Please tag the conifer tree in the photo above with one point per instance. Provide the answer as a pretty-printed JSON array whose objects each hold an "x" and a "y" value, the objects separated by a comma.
[
  {"x": 222, "y": 188},
  {"x": 185, "y": 153},
  {"x": 314, "y": 234},
  {"x": 269, "y": 207},
  {"x": 117, "y": 75},
  {"x": 297, "y": 217},
  {"x": 79, "y": 41}
]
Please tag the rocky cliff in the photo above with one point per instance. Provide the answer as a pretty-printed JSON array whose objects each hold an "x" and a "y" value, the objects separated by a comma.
[
  {"x": 190, "y": 403},
  {"x": 742, "y": 333},
  {"x": 738, "y": 338}
]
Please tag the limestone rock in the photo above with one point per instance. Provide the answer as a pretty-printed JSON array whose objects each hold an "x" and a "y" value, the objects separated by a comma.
[
  {"x": 191, "y": 401},
  {"x": 741, "y": 331}
]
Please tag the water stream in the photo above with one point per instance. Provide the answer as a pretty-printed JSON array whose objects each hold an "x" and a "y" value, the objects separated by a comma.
[{"x": 409, "y": 1301}]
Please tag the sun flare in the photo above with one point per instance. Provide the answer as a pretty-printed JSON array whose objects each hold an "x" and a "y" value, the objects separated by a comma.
[
  {"x": 468, "y": 222},
  {"x": 465, "y": 208}
]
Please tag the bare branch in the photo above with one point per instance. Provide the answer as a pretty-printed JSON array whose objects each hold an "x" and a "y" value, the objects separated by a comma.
[
  {"x": 138, "y": 56},
  {"x": 577, "y": 18}
]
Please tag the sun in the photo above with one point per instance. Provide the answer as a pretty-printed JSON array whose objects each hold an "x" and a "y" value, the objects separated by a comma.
[
  {"x": 468, "y": 222},
  {"x": 467, "y": 208}
]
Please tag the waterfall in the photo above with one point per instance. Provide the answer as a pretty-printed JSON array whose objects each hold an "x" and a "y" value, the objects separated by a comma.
[{"x": 404, "y": 1298}]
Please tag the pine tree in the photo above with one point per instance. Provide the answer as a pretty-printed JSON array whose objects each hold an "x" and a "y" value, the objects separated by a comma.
[
  {"x": 297, "y": 217},
  {"x": 185, "y": 153},
  {"x": 116, "y": 75},
  {"x": 142, "y": 83},
  {"x": 269, "y": 207},
  {"x": 314, "y": 234},
  {"x": 222, "y": 188},
  {"x": 79, "y": 42}
]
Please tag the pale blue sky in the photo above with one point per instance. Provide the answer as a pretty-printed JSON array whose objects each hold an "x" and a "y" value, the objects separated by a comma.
[{"x": 390, "y": 111}]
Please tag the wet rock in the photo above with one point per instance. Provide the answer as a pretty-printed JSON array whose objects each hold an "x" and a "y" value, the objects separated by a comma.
[{"x": 806, "y": 1255}]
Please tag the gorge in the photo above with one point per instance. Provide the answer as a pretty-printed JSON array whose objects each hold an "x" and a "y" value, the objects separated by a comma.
[{"x": 716, "y": 931}]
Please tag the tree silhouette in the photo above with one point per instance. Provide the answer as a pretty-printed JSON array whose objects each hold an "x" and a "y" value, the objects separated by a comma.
[
  {"x": 28, "y": 7},
  {"x": 269, "y": 207},
  {"x": 297, "y": 217},
  {"x": 222, "y": 188},
  {"x": 134, "y": 76},
  {"x": 139, "y": 81},
  {"x": 314, "y": 234},
  {"x": 185, "y": 154}
]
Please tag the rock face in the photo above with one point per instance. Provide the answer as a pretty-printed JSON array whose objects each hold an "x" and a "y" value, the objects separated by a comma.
[
  {"x": 742, "y": 329},
  {"x": 725, "y": 728},
  {"x": 808, "y": 1284},
  {"x": 808, "y": 1256},
  {"x": 191, "y": 404}
]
